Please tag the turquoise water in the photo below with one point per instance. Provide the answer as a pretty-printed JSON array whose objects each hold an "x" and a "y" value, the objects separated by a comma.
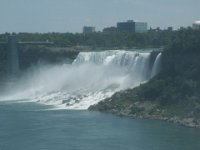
[{"x": 31, "y": 126}]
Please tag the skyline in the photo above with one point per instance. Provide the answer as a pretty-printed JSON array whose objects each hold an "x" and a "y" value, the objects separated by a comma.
[{"x": 71, "y": 15}]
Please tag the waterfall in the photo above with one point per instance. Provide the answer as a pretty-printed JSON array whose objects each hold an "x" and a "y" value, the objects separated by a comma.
[
  {"x": 131, "y": 62},
  {"x": 92, "y": 77},
  {"x": 156, "y": 66}
]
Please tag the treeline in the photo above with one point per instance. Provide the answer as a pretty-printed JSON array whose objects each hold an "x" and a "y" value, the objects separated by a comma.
[{"x": 100, "y": 39}]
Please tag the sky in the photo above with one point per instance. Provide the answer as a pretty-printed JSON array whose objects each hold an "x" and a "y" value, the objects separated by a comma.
[{"x": 71, "y": 15}]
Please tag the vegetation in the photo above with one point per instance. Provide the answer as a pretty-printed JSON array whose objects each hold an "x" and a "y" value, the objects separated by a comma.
[
  {"x": 180, "y": 77},
  {"x": 101, "y": 39},
  {"x": 31, "y": 55},
  {"x": 172, "y": 94}
]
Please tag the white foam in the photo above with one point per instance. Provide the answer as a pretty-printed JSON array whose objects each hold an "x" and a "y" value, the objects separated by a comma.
[{"x": 92, "y": 77}]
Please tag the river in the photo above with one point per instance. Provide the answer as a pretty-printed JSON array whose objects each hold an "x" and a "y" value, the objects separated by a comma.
[{"x": 33, "y": 126}]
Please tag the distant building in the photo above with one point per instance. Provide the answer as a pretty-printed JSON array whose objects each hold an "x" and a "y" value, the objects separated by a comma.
[
  {"x": 128, "y": 26},
  {"x": 170, "y": 28},
  {"x": 140, "y": 27},
  {"x": 196, "y": 25},
  {"x": 110, "y": 30},
  {"x": 132, "y": 26},
  {"x": 87, "y": 29}
]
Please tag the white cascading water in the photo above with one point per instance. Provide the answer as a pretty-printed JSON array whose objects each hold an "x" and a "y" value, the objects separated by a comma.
[
  {"x": 92, "y": 77},
  {"x": 156, "y": 66}
]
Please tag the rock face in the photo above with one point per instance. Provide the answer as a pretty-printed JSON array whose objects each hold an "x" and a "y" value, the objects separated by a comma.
[{"x": 125, "y": 103}]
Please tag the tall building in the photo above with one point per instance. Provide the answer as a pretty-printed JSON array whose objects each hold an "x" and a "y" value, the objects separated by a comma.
[
  {"x": 196, "y": 25},
  {"x": 132, "y": 26},
  {"x": 128, "y": 26},
  {"x": 87, "y": 29}
]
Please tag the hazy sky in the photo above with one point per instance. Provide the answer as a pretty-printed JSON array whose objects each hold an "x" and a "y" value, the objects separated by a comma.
[{"x": 72, "y": 15}]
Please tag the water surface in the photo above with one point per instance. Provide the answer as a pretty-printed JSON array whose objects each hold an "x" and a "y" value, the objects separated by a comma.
[{"x": 32, "y": 126}]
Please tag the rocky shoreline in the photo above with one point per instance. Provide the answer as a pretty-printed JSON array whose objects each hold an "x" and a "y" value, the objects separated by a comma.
[
  {"x": 188, "y": 122},
  {"x": 120, "y": 104}
]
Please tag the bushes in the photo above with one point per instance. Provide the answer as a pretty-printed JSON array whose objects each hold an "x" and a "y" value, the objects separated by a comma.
[{"x": 180, "y": 75}]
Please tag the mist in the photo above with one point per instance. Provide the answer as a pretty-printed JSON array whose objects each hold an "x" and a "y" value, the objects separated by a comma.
[{"x": 92, "y": 77}]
